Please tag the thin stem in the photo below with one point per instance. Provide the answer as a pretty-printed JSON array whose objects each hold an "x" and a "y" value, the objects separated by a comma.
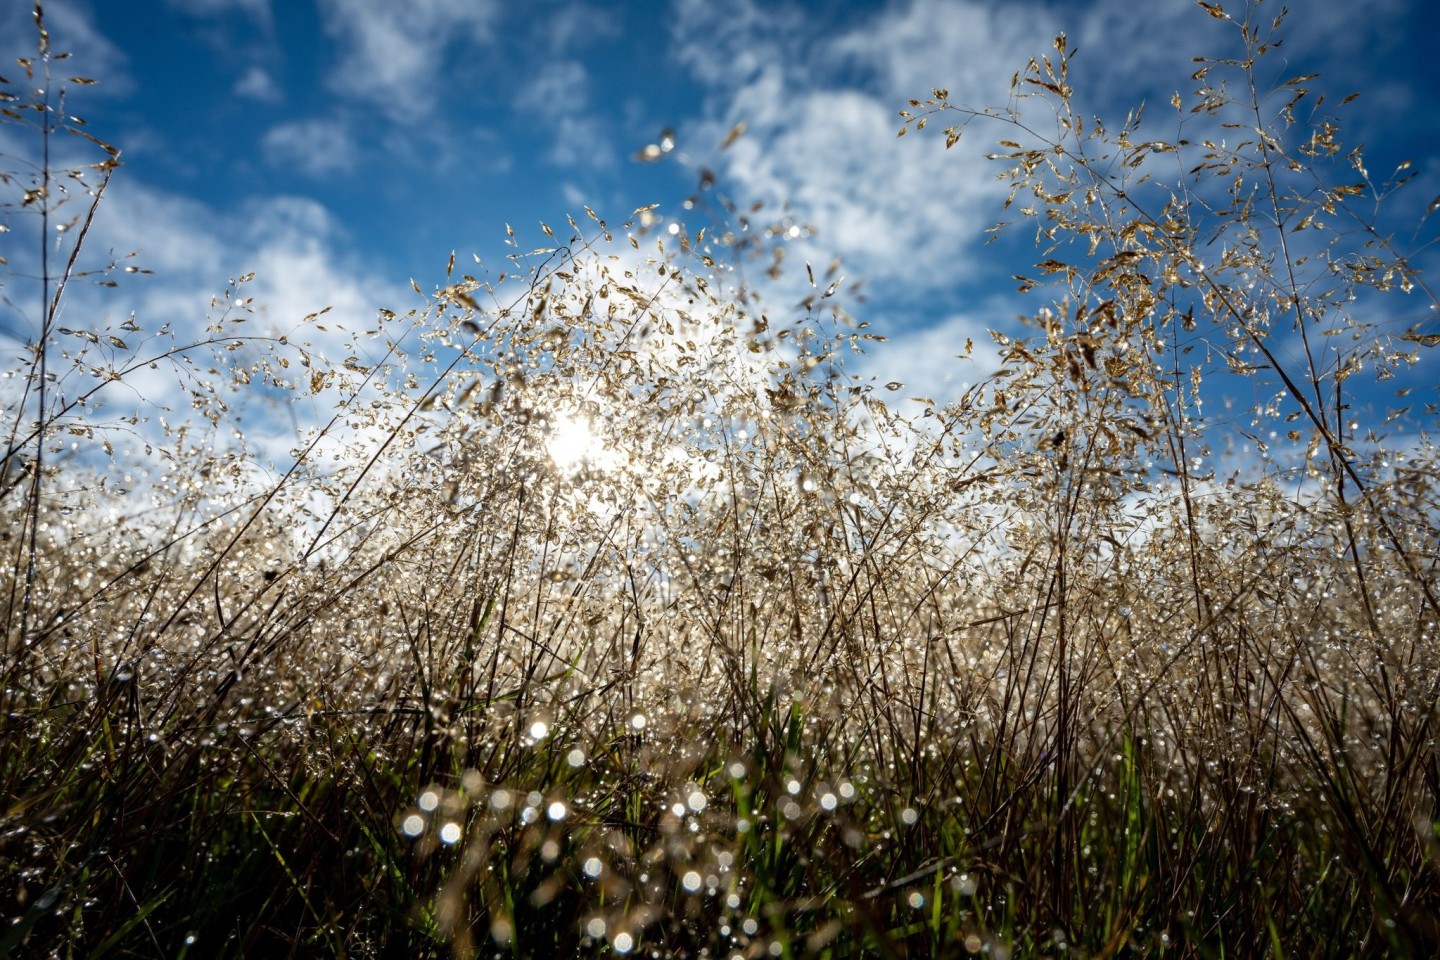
[{"x": 42, "y": 346}]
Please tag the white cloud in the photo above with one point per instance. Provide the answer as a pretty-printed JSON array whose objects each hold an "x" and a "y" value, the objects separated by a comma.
[
  {"x": 558, "y": 98},
  {"x": 822, "y": 116},
  {"x": 563, "y": 86},
  {"x": 393, "y": 55},
  {"x": 558, "y": 95},
  {"x": 821, "y": 103},
  {"x": 292, "y": 245},
  {"x": 256, "y": 83},
  {"x": 970, "y": 47},
  {"x": 821, "y": 106},
  {"x": 580, "y": 141},
  {"x": 318, "y": 147},
  {"x": 574, "y": 195},
  {"x": 724, "y": 43},
  {"x": 565, "y": 25},
  {"x": 928, "y": 362},
  {"x": 890, "y": 212},
  {"x": 72, "y": 31},
  {"x": 294, "y": 248}
]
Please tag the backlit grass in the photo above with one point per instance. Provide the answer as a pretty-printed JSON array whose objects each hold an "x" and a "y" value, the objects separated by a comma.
[{"x": 610, "y": 614}]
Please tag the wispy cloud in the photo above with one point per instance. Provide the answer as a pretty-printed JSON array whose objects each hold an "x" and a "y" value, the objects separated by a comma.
[
  {"x": 559, "y": 95},
  {"x": 726, "y": 43},
  {"x": 73, "y": 31},
  {"x": 257, "y": 10},
  {"x": 559, "y": 98},
  {"x": 318, "y": 147},
  {"x": 256, "y": 83},
  {"x": 393, "y": 56}
]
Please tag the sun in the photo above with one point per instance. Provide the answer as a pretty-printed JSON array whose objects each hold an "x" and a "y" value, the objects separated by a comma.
[{"x": 572, "y": 444}]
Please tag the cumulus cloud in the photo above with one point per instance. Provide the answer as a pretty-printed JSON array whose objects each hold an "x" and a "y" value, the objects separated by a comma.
[
  {"x": 821, "y": 111},
  {"x": 293, "y": 245},
  {"x": 820, "y": 100},
  {"x": 295, "y": 250},
  {"x": 821, "y": 104}
]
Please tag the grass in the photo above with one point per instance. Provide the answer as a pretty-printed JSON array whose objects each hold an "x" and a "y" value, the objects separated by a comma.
[{"x": 767, "y": 668}]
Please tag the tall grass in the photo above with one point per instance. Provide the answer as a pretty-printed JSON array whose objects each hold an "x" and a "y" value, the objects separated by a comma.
[{"x": 610, "y": 614}]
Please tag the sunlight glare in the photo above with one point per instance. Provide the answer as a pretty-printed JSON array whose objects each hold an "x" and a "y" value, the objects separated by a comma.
[{"x": 573, "y": 444}]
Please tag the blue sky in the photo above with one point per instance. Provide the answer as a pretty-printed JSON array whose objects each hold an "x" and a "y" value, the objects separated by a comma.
[{"x": 339, "y": 148}]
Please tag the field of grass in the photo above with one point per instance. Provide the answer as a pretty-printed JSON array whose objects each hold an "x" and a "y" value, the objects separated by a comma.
[{"x": 610, "y": 615}]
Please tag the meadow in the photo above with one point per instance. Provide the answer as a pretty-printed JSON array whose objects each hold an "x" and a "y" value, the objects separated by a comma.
[{"x": 611, "y": 614}]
